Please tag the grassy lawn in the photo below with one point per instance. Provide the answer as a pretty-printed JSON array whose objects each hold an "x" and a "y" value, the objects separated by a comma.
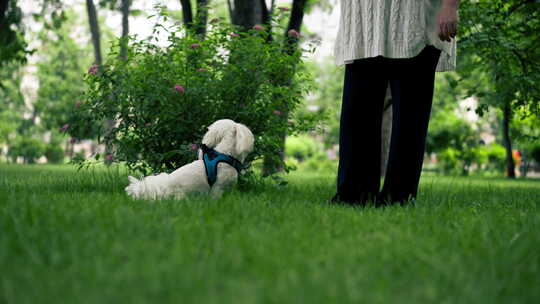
[{"x": 68, "y": 237}]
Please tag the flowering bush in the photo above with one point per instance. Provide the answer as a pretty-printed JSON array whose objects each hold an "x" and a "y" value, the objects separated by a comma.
[{"x": 164, "y": 97}]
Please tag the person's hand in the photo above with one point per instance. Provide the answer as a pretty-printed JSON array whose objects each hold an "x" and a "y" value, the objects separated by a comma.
[{"x": 447, "y": 21}]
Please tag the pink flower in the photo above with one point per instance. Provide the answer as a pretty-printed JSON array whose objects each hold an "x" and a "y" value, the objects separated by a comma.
[
  {"x": 64, "y": 128},
  {"x": 194, "y": 147},
  {"x": 202, "y": 70},
  {"x": 277, "y": 112},
  {"x": 234, "y": 35},
  {"x": 284, "y": 9},
  {"x": 179, "y": 88},
  {"x": 109, "y": 157},
  {"x": 293, "y": 33},
  {"x": 258, "y": 27},
  {"x": 93, "y": 69},
  {"x": 195, "y": 45}
]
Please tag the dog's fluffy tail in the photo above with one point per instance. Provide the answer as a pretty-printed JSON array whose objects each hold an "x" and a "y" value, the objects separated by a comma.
[
  {"x": 150, "y": 187},
  {"x": 133, "y": 188}
]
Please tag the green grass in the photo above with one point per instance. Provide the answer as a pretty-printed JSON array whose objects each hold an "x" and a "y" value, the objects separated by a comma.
[{"x": 74, "y": 237}]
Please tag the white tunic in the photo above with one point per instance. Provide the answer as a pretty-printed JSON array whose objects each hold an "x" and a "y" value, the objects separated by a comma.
[{"x": 392, "y": 29}]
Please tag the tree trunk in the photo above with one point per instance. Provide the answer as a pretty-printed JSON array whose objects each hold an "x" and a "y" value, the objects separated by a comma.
[
  {"x": 187, "y": 13},
  {"x": 297, "y": 16},
  {"x": 3, "y": 10},
  {"x": 125, "y": 28},
  {"x": 202, "y": 17},
  {"x": 94, "y": 30},
  {"x": 246, "y": 13},
  {"x": 266, "y": 17},
  {"x": 265, "y": 11},
  {"x": 507, "y": 116}
]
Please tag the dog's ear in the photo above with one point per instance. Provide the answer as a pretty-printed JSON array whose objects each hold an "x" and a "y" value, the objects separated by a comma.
[
  {"x": 213, "y": 136},
  {"x": 244, "y": 140},
  {"x": 132, "y": 179}
]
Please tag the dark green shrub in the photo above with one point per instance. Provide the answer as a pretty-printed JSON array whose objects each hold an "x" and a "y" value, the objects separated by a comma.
[
  {"x": 448, "y": 130},
  {"x": 30, "y": 149},
  {"x": 163, "y": 98},
  {"x": 482, "y": 158},
  {"x": 54, "y": 153},
  {"x": 301, "y": 147},
  {"x": 496, "y": 157},
  {"x": 534, "y": 152},
  {"x": 448, "y": 160},
  {"x": 320, "y": 163}
]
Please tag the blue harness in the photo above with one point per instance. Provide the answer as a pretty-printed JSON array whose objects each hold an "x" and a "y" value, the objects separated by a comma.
[{"x": 212, "y": 158}]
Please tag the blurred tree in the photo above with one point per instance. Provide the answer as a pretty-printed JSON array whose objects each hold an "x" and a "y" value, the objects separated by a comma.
[
  {"x": 525, "y": 129},
  {"x": 94, "y": 30},
  {"x": 187, "y": 12},
  {"x": 13, "y": 46},
  {"x": 13, "y": 53},
  {"x": 247, "y": 13},
  {"x": 124, "y": 7},
  {"x": 29, "y": 148},
  {"x": 11, "y": 101},
  {"x": 12, "y": 43},
  {"x": 60, "y": 72},
  {"x": 501, "y": 38}
]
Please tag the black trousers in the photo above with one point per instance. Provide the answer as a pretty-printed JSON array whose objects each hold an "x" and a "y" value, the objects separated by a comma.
[{"x": 366, "y": 80}]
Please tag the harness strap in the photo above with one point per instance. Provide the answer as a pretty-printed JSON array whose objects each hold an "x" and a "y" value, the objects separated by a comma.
[{"x": 212, "y": 158}]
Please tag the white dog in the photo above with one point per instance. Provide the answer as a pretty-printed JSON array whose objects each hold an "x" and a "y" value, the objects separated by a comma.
[{"x": 226, "y": 143}]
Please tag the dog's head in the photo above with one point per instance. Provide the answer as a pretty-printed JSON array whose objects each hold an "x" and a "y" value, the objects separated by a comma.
[{"x": 229, "y": 137}]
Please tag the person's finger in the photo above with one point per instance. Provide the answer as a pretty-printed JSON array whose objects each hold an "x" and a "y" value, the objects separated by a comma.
[
  {"x": 441, "y": 31},
  {"x": 449, "y": 32},
  {"x": 445, "y": 32}
]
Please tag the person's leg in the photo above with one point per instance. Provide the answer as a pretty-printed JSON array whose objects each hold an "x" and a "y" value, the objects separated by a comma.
[
  {"x": 412, "y": 95},
  {"x": 360, "y": 131}
]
